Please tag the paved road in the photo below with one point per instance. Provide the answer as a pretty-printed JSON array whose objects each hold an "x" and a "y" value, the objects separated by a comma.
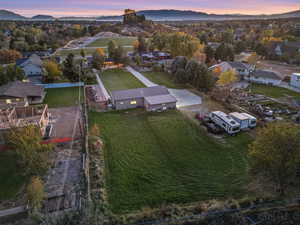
[
  {"x": 184, "y": 97},
  {"x": 12, "y": 211},
  {"x": 140, "y": 77}
]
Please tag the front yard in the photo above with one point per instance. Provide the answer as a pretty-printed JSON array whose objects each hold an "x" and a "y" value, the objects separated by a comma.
[
  {"x": 158, "y": 158},
  {"x": 119, "y": 79},
  {"x": 62, "y": 97}
]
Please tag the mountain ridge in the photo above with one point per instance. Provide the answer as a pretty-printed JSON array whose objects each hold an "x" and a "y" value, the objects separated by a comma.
[{"x": 161, "y": 14}]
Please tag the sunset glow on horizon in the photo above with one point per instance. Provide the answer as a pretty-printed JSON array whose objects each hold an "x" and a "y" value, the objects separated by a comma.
[{"x": 59, "y": 8}]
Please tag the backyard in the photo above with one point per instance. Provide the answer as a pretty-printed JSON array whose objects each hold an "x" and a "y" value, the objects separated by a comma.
[
  {"x": 123, "y": 41},
  {"x": 11, "y": 177},
  {"x": 274, "y": 92},
  {"x": 119, "y": 79},
  {"x": 153, "y": 159},
  {"x": 62, "y": 97},
  {"x": 164, "y": 79}
]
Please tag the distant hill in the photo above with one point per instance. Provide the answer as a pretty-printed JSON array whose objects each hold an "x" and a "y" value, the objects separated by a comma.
[
  {"x": 7, "y": 15},
  {"x": 157, "y": 15},
  {"x": 43, "y": 17},
  {"x": 178, "y": 15}
]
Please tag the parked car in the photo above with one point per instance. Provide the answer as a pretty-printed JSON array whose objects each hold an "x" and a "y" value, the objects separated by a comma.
[{"x": 213, "y": 128}]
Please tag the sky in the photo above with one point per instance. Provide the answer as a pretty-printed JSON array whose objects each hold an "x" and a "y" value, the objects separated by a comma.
[{"x": 115, "y": 7}]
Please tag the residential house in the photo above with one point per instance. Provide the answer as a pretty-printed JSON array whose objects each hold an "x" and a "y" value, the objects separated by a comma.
[
  {"x": 20, "y": 93},
  {"x": 295, "y": 80},
  {"x": 151, "y": 98},
  {"x": 33, "y": 68},
  {"x": 288, "y": 48},
  {"x": 19, "y": 117},
  {"x": 264, "y": 77},
  {"x": 242, "y": 69}
]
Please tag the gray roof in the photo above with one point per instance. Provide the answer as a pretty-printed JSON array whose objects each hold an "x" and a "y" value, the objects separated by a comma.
[
  {"x": 160, "y": 99},
  {"x": 239, "y": 65},
  {"x": 139, "y": 93},
  {"x": 21, "y": 89},
  {"x": 266, "y": 74}
]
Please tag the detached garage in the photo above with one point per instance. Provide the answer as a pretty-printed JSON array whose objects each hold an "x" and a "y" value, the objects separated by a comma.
[{"x": 160, "y": 102}]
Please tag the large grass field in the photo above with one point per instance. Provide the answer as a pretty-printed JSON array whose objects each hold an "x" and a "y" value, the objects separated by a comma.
[
  {"x": 88, "y": 51},
  {"x": 11, "y": 179},
  {"x": 153, "y": 159},
  {"x": 164, "y": 79},
  {"x": 103, "y": 42},
  {"x": 119, "y": 79},
  {"x": 62, "y": 97},
  {"x": 274, "y": 92}
]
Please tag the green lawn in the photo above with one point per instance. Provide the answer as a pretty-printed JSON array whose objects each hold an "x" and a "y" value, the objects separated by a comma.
[
  {"x": 103, "y": 42},
  {"x": 274, "y": 92},
  {"x": 62, "y": 97},
  {"x": 88, "y": 51},
  {"x": 11, "y": 179},
  {"x": 163, "y": 78},
  {"x": 119, "y": 79},
  {"x": 152, "y": 159}
]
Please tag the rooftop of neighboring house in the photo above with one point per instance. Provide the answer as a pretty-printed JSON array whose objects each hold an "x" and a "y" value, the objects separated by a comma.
[
  {"x": 268, "y": 74},
  {"x": 19, "y": 89},
  {"x": 22, "y": 116},
  {"x": 239, "y": 65},
  {"x": 139, "y": 93},
  {"x": 33, "y": 59}
]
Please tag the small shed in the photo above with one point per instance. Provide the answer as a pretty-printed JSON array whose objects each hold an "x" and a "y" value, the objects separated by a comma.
[{"x": 295, "y": 80}]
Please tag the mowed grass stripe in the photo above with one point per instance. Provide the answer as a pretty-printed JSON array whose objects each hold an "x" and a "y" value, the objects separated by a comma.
[
  {"x": 153, "y": 159},
  {"x": 103, "y": 42},
  {"x": 119, "y": 79}
]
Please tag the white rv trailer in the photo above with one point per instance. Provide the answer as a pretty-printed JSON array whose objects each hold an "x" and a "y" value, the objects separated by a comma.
[
  {"x": 241, "y": 119},
  {"x": 225, "y": 121},
  {"x": 252, "y": 120}
]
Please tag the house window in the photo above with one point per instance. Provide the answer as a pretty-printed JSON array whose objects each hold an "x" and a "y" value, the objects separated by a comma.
[
  {"x": 121, "y": 103},
  {"x": 8, "y": 101},
  {"x": 133, "y": 103}
]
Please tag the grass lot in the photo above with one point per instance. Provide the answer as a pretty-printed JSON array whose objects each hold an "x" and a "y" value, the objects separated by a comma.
[
  {"x": 274, "y": 92},
  {"x": 11, "y": 178},
  {"x": 164, "y": 79},
  {"x": 88, "y": 51},
  {"x": 119, "y": 79},
  {"x": 152, "y": 159},
  {"x": 62, "y": 97},
  {"x": 103, "y": 42},
  {"x": 65, "y": 52}
]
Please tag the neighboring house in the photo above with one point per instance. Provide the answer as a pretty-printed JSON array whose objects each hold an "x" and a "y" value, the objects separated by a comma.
[
  {"x": 242, "y": 69},
  {"x": 20, "y": 93},
  {"x": 214, "y": 45},
  {"x": 150, "y": 98},
  {"x": 295, "y": 80},
  {"x": 289, "y": 48},
  {"x": 264, "y": 77},
  {"x": 32, "y": 66},
  {"x": 18, "y": 117}
]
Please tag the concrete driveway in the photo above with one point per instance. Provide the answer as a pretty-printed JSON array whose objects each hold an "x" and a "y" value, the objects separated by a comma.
[
  {"x": 141, "y": 77},
  {"x": 185, "y": 98}
]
